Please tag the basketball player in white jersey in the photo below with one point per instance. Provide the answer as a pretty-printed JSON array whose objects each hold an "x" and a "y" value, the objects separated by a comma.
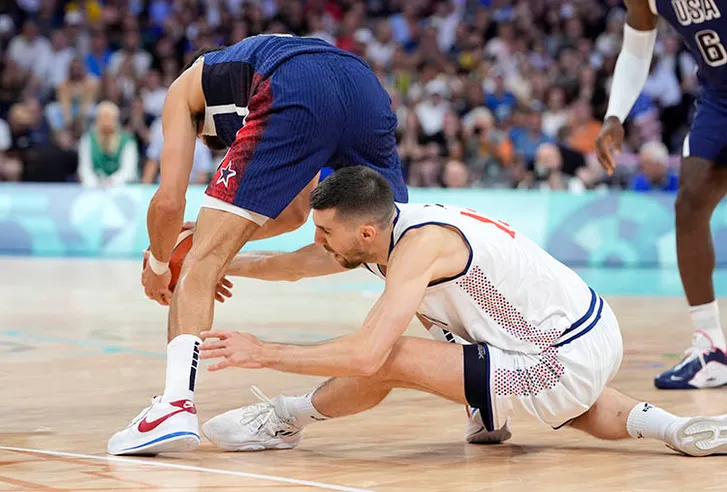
[{"x": 538, "y": 336}]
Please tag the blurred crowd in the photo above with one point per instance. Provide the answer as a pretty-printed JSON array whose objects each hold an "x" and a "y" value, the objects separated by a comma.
[{"x": 488, "y": 93}]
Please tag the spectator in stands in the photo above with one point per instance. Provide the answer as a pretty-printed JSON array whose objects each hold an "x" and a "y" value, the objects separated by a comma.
[
  {"x": 30, "y": 51},
  {"x": 139, "y": 125},
  {"x": 583, "y": 127},
  {"x": 98, "y": 59},
  {"x": 430, "y": 112},
  {"x": 556, "y": 115},
  {"x": 20, "y": 123},
  {"x": 500, "y": 101},
  {"x": 548, "y": 171},
  {"x": 108, "y": 156},
  {"x": 528, "y": 137},
  {"x": 455, "y": 175},
  {"x": 654, "y": 173},
  {"x": 153, "y": 93},
  {"x": 57, "y": 66},
  {"x": 131, "y": 57},
  {"x": 489, "y": 153},
  {"x": 12, "y": 84},
  {"x": 75, "y": 97}
]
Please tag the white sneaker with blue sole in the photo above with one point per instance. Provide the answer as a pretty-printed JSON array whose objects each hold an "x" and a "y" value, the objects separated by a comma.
[{"x": 163, "y": 427}]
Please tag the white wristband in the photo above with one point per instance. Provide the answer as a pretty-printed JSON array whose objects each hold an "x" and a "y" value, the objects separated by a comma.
[{"x": 157, "y": 266}]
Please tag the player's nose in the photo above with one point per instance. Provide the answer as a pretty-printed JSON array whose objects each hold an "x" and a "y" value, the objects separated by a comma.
[{"x": 318, "y": 238}]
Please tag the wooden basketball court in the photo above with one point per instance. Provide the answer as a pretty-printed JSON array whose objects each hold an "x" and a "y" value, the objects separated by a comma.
[{"x": 83, "y": 352}]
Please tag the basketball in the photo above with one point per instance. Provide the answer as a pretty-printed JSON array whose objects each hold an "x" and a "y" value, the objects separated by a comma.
[{"x": 181, "y": 248}]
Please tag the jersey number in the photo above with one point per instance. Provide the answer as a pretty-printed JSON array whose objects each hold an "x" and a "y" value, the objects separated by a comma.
[
  {"x": 713, "y": 51},
  {"x": 503, "y": 226}
]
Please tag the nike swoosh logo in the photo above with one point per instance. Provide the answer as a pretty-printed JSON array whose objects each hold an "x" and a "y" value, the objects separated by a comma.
[{"x": 146, "y": 426}]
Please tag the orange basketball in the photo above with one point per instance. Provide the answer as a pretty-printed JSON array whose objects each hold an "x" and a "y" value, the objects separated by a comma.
[{"x": 184, "y": 244}]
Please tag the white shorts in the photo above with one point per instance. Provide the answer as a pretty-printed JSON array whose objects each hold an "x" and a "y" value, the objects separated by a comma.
[{"x": 556, "y": 385}]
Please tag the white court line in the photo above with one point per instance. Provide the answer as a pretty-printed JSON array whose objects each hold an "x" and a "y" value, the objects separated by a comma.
[{"x": 160, "y": 464}]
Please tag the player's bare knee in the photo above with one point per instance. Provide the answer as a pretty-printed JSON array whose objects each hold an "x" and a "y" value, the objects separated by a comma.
[
  {"x": 392, "y": 369},
  {"x": 692, "y": 201}
]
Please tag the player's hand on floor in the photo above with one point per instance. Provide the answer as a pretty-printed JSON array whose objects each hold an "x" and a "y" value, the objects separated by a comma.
[
  {"x": 156, "y": 287},
  {"x": 608, "y": 143},
  {"x": 223, "y": 290},
  {"x": 234, "y": 349}
]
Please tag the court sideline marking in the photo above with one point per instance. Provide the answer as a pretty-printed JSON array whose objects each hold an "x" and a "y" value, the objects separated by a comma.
[{"x": 159, "y": 464}]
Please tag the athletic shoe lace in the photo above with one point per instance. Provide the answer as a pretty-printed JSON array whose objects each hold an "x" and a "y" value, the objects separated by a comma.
[{"x": 257, "y": 416}]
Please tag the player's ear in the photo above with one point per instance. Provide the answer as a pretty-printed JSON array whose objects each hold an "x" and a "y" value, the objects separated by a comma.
[{"x": 368, "y": 232}]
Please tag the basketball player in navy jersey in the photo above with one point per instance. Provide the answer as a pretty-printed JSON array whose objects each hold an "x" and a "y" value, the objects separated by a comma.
[
  {"x": 286, "y": 107},
  {"x": 703, "y": 172}
]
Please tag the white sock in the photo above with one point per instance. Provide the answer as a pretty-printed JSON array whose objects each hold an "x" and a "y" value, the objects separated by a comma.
[
  {"x": 301, "y": 408},
  {"x": 182, "y": 360},
  {"x": 647, "y": 421},
  {"x": 706, "y": 320}
]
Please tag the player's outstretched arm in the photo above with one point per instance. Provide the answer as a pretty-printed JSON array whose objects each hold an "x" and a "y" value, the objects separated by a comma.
[
  {"x": 629, "y": 77},
  {"x": 166, "y": 209},
  {"x": 310, "y": 261},
  {"x": 413, "y": 264}
]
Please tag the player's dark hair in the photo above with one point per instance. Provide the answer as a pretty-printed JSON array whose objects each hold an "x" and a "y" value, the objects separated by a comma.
[{"x": 355, "y": 192}]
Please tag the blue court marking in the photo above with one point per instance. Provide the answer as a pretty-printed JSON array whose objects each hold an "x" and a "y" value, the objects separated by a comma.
[{"x": 106, "y": 348}]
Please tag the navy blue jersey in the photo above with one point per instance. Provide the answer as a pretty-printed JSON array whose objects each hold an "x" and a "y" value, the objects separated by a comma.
[
  {"x": 231, "y": 76},
  {"x": 704, "y": 30}
]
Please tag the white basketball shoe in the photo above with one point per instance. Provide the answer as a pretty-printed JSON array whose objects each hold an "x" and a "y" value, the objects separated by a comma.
[
  {"x": 160, "y": 428},
  {"x": 264, "y": 425},
  {"x": 699, "y": 436},
  {"x": 477, "y": 433}
]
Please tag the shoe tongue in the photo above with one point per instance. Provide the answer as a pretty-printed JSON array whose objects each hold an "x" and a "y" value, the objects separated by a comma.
[
  {"x": 701, "y": 342},
  {"x": 281, "y": 410}
]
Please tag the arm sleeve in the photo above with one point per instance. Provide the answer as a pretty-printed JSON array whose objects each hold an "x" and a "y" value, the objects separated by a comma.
[{"x": 631, "y": 71}]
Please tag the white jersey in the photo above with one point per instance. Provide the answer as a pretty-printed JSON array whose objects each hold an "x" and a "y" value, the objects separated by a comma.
[{"x": 512, "y": 294}]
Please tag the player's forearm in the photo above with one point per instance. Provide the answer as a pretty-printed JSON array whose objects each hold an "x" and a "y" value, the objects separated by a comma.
[
  {"x": 164, "y": 221},
  {"x": 631, "y": 71},
  {"x": 309, "y": 261},
  {"x": 341, "y": 357},
  {"x": 263, "y": 265}
]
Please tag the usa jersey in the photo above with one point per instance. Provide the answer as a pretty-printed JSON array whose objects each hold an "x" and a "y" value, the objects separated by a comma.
[
  {"x": 512, "y": 294},
  {"x": 231, "y": 76},
  {"x": 704, "y": 30}
]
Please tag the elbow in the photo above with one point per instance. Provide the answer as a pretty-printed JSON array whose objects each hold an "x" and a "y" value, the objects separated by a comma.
[
  {"x": 368, "y": 362},
  {"x": 168, "y": 204}
]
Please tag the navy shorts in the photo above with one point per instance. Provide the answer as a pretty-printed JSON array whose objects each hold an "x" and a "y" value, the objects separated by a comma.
[
  {"x": 707, "y": 137},
  {"x": 314, "y": 111}
]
